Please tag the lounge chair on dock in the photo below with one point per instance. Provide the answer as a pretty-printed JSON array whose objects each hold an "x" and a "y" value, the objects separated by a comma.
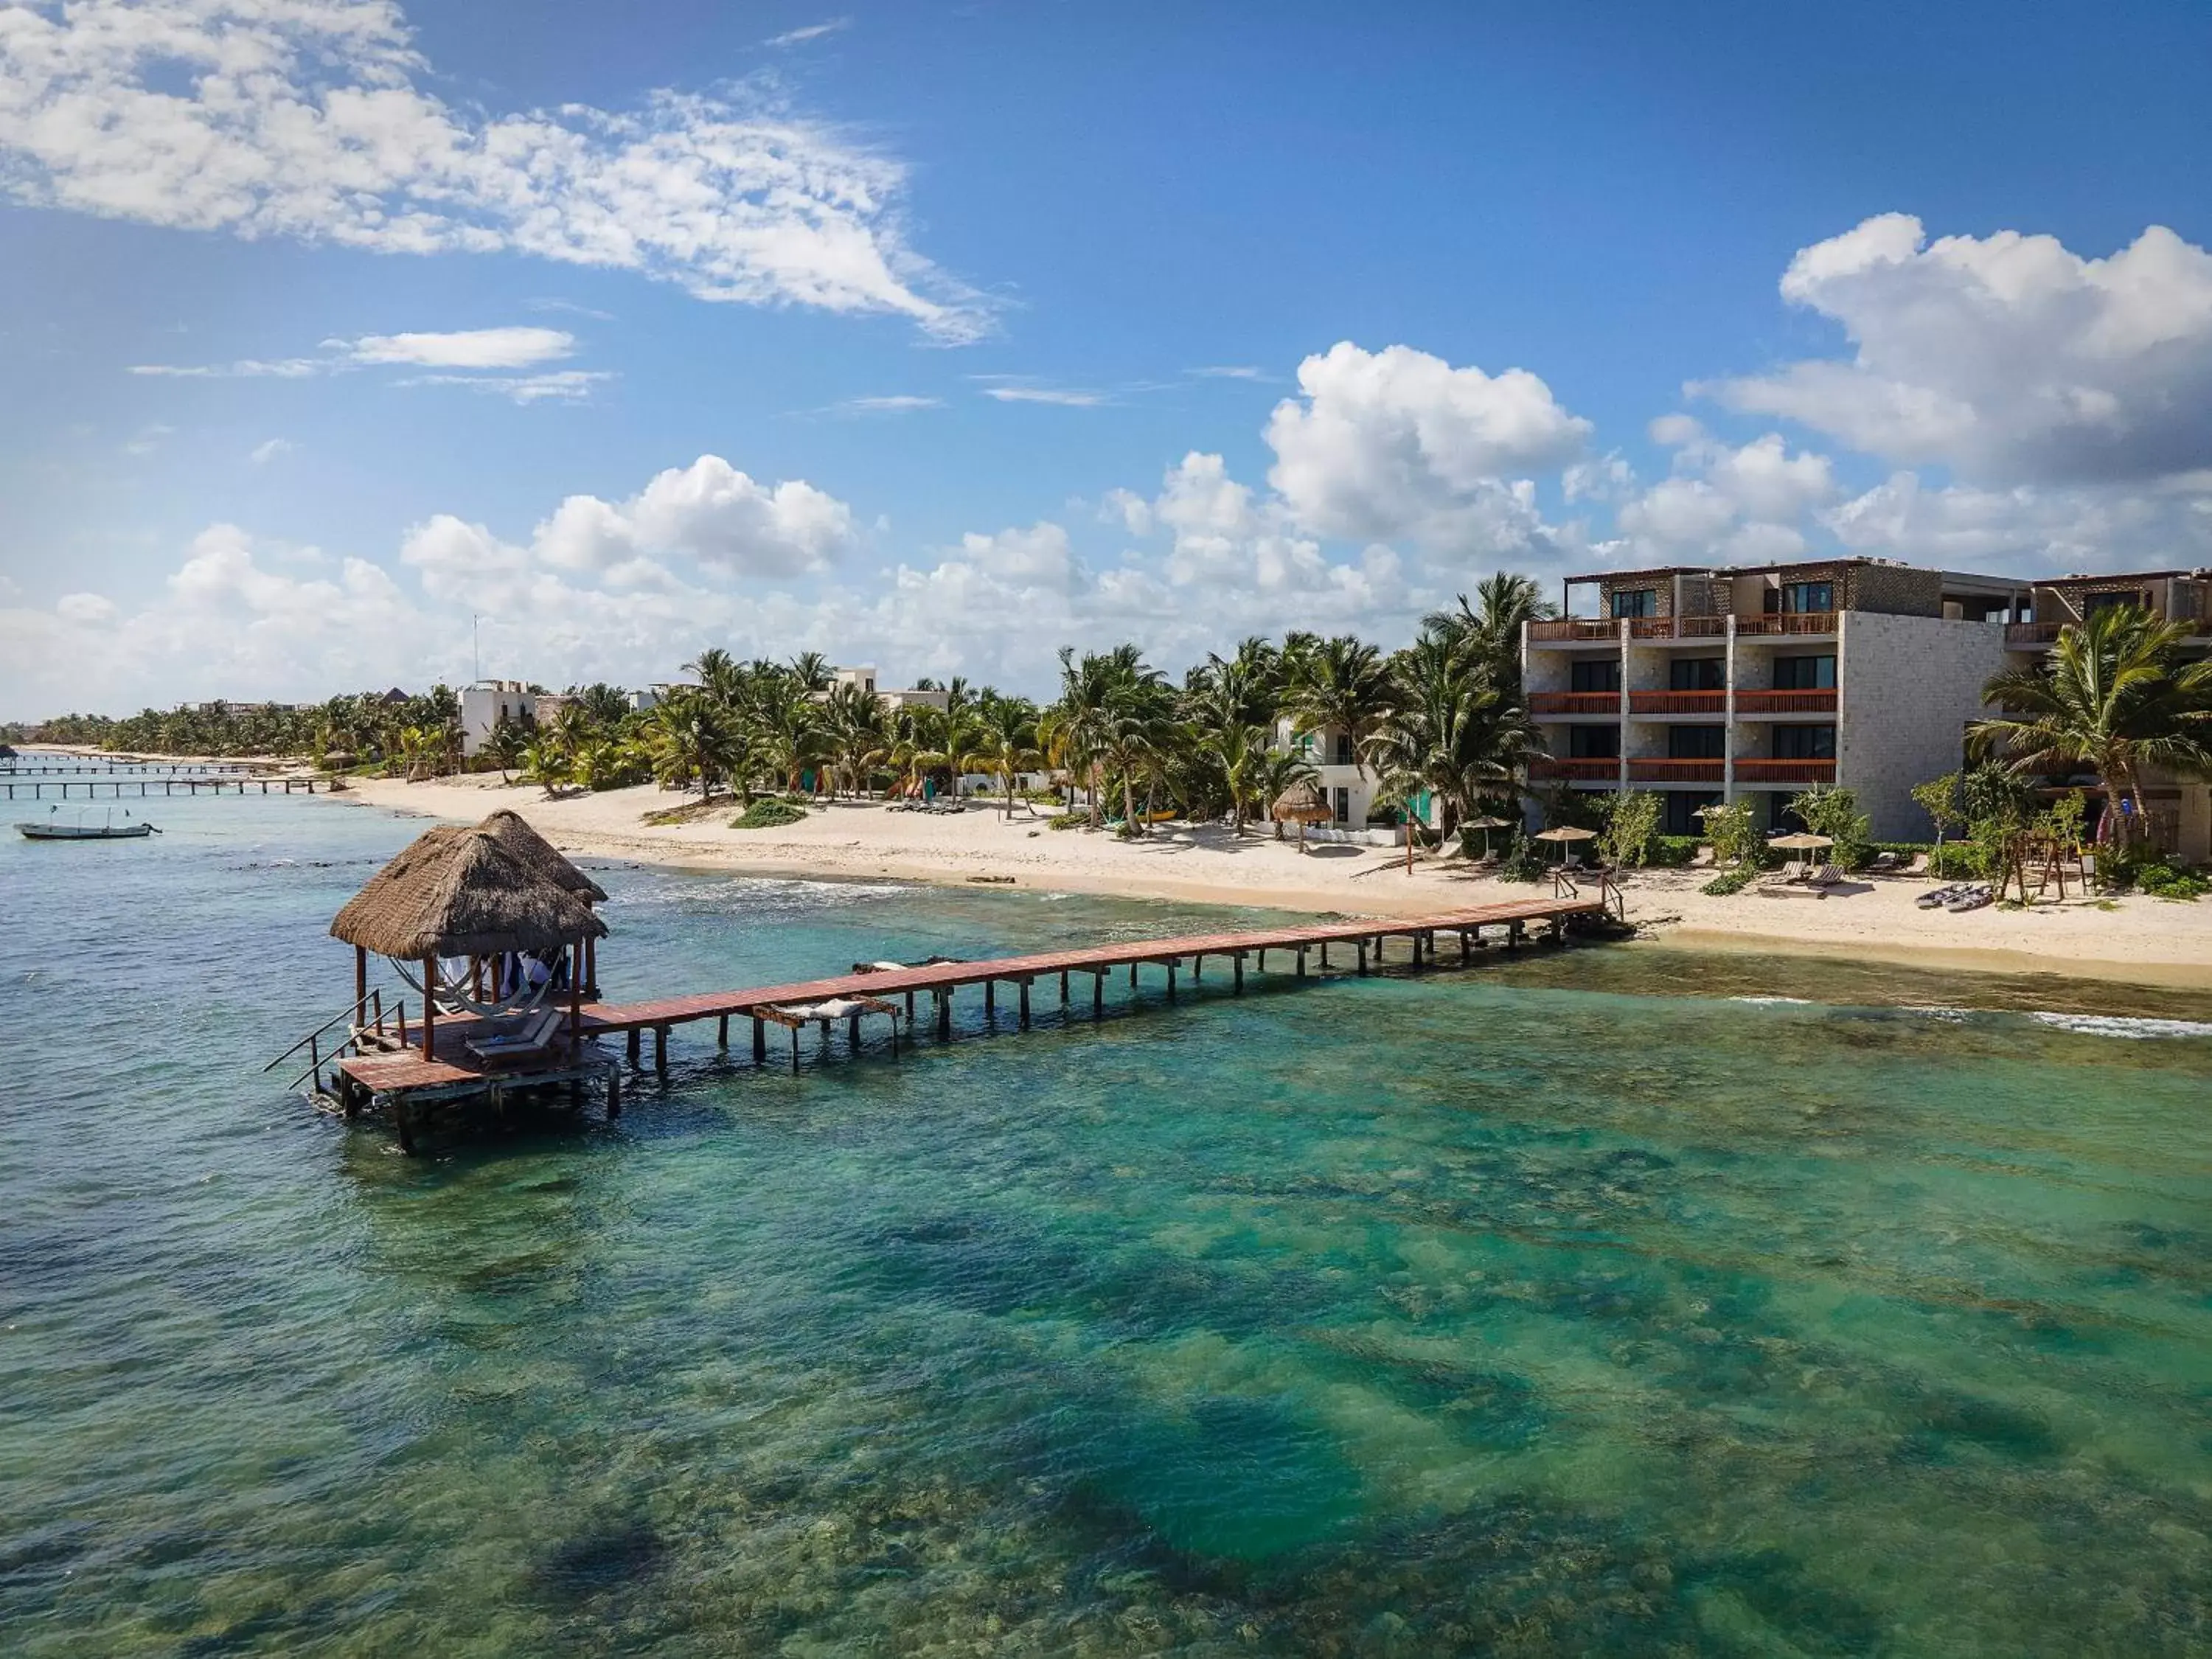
[{"x": 534, "y": 1041}]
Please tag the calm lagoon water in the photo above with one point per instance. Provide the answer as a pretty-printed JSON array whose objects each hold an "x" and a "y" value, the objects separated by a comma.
[{"x": 1600, "y": 1302}]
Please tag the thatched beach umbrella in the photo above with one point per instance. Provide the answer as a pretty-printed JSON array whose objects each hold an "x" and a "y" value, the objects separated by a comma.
[
  {"x": 1801, "y": 841},
  {"x": 1487, "y": 824},
  {"x": 1302, "y": 803},
  {"x": 1565, "y": 836},
  {"x": 461, "y": 892}
]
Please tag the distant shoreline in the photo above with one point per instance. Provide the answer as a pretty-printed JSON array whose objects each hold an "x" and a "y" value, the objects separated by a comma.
[{"x": 2134, "y": 940}]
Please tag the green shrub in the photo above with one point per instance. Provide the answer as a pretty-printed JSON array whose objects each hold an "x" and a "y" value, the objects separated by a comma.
[
  {"x": 768, "y": 813},
  {"x": 1632, "y": 823},
  {"x": 1673, "y": 852},
  {"x": 1730, "y": 881},
  {"x": 1523, "y": 860},
  {"x": 1071, "y": 820},
  {"x": 2163, "y": 881}
]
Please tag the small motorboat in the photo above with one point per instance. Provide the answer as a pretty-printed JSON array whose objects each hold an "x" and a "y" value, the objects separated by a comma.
[
  {"x": 1936, "y": 898},
  {"x": 1972, "y": 899},
  {"x": 111, "y": 830}
]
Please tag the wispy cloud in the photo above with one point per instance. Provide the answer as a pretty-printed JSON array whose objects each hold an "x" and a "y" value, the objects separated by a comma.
[
  {"x": 1022, "y": 391},
  {"x": 263, "y": 453},
  {"x": 563, "y": 385},
  {"x": 314, "y": 120},
  {"x": 1227, "y": 371},
  {"x": 475, "y": 348},
  {"x": 148, "y": 439},
  {"x": 287, "y": 369},
  {"x": 570, "y": 307},
  {"x": 904, "y": 403},
  {"x": 812, "y": 32}
]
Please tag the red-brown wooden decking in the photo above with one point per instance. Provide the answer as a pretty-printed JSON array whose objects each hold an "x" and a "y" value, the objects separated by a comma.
[{"x": 406, "y": 1072}]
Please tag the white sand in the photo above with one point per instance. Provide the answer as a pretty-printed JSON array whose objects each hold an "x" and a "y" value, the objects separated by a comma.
[{"x": 2146, "y": 940}]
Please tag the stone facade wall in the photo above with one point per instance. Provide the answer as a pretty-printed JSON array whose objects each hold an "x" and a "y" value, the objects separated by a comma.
[
  {"x": 1893, "y": 590},
  {"x": 1664, "y": 585},
  {"x": 1909, "y": 685}
]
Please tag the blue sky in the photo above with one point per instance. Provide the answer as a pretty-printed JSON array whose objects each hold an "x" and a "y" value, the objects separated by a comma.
[{"x": 941, "y": 336}]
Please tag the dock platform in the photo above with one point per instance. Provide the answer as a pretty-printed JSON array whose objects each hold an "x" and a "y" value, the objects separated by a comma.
[{"x": 406, "y": 1079}]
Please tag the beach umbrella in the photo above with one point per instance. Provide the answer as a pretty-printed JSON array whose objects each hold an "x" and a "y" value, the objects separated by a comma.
[
  {"x": 1302, "y": 803},
  {"x": 1487, "y": 824},
  {"x": 1800, "y": 841},
  {"x": 1565, "y": 836}
]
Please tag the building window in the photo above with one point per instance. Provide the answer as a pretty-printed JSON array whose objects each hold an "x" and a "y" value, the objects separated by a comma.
[
  {"x": 1594, "y": 742},
  {"x": 1804, "y": 673},
  {"x": 1636, "y": 602},
  {"x": 1795, "y": 599},
  {"x": 1343, "y": 805},
  {"x": 1604, "y": 675},
  {"x": 1698, "y": 674},
  {"x": 1343, "y": 756},
  {"x": 2093, "y": 603},
  {"x": 1682, "y": 806},
  {"x": 1695, "y": 742},
  {"x": 1804, "y": 743}
]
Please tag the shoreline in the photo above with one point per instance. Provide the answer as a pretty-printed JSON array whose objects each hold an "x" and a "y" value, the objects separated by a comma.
[{"x": 2134, "y": 940}]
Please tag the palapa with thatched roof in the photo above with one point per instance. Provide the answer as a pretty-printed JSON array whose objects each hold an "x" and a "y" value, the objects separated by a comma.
[
  {"x": 462, "y": 893},
  {"x": 456, "y": 892},
  {"x": 537, "y": 853},
  {"x": 1303, "y": 803}
]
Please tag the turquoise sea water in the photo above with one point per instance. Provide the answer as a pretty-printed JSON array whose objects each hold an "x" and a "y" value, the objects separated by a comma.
[{"x": 1594, "y": 1302}]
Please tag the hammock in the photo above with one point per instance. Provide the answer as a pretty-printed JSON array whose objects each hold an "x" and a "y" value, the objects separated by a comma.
[{"x": 454, "y": 999}]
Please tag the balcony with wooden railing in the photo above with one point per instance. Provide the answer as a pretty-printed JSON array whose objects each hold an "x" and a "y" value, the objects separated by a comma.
[
  {"x": 1788, "y": 621},
  {"x": 1666, "y": 769},
  {"x": 1786, "y": 703},
  {"x": 1574, "y": 702},
  {"x": 1596, "y": 769},
  {"x": 1572, "y": 629},
  {"x": 2025, "y": 633},
  {"x": 1678, "y": 703},
  {"x": 1786, "y": 771}
]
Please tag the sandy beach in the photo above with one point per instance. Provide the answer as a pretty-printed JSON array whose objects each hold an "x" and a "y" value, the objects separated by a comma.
[{"x": 2134, "y": 939}]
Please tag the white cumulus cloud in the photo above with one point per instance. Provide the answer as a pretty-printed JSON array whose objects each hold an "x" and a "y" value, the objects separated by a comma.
[
  {"x": 306, "y": 119},
  {"x": 2008, "y": 357},
  {"x": 1399, "y": 442}
]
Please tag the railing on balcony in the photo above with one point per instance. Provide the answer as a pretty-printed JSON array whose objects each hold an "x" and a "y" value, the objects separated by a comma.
[
  {"x": 1785, "y": 702},
  {"x": 1651, "y": 627},
  {"x": 1574, "y": 702},
  {"x": 1575, "y": 628},
  {"x": 2031, "y": 633},
  {"x": 1592, "y": 769},
  {"x": 1700, "y": 628},
  {"x": 1678, "y": 703},
  {"x": 1788, "y": 621},
  {"x": 1677, "y": 771},
  {"x": 1786, "y": 771}
]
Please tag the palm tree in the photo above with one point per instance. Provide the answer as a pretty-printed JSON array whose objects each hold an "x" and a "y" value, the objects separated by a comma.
[
  {"x": 689, "y": 741},
  {"x": 811, "y": 670},
  {"x": 1075, "y": 726},
  {"x": 857, "y": 732},
  {"x": 546, "y": 764},
  {"x": 1490, "y": 630},
  {"x": 1341, "y": 684},
  {"x": 2114, "y": 696},
  {"x": 1004, "y": 740}
]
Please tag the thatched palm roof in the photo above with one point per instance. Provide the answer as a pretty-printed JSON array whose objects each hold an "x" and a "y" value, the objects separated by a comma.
[
  {"x": 1302, "y": 801},
  {"x": 461, "y": 892},
  {"x": 533, "y": 852}
]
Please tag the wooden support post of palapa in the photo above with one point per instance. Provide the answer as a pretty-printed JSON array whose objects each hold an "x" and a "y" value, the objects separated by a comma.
[{"x": 429, "y": 1008}]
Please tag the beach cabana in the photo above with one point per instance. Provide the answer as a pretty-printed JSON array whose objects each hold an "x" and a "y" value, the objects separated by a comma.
[
  {"x": 457, "y": 892},
  {"x": 1302, "y": 804}
]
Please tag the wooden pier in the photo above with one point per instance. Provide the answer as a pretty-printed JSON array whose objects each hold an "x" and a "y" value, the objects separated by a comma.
[
  {"x": 121, "y": 788},
  {"x": 407, "y": 1079}
]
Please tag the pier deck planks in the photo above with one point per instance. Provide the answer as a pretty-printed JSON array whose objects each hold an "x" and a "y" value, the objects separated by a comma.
[{"x": 400, "y": 1073}]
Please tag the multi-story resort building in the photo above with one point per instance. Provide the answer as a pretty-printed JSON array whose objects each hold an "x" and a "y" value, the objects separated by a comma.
[{"x": 1710, "y": 684}]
